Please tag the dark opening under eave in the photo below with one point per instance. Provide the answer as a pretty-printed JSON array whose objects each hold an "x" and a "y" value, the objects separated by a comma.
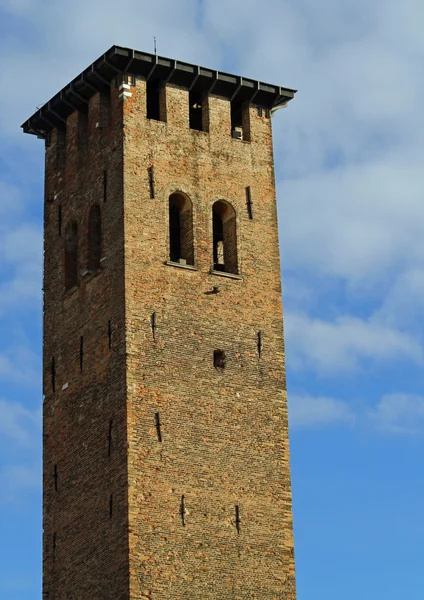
[{"x": 119, "y": 60}]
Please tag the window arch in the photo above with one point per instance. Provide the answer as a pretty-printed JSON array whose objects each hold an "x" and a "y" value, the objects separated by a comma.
[
  {"x": 71, "y": 255},
  {"x": 94, "y": 238},
  {"x": 224, "y": 237},
  {"x": 181, "y": 247}
]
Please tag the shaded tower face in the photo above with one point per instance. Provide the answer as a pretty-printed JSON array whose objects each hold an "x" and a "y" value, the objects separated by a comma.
[{"x": 166, "y": 452}]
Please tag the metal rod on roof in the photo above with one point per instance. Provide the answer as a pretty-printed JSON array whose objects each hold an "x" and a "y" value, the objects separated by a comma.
[{"x": 154, "y": 44}]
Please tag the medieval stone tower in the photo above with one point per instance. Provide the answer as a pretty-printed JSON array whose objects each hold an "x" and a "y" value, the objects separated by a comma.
[{"x": 166, "y": 451}]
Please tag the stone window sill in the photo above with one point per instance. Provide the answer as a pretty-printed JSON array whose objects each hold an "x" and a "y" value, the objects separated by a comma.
[
  {"x": 224, "y": 274},
  {"x": 90, "y": 272},
  {"x": 70, "y": 291},
  {"x": 170, "y": 263}
]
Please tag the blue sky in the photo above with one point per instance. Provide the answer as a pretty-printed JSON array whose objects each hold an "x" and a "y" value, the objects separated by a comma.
[{"x": 349, "y": 157}]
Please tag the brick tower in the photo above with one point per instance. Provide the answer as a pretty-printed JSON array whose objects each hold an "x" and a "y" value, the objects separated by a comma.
[{"x": 166, "y": 451}]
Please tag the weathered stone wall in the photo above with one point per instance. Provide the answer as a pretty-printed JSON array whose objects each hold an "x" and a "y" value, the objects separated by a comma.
[{"x": 224, "y": 433}]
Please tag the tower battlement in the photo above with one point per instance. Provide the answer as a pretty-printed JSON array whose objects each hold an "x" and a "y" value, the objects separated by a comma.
[{"x": 165, "y": 446}]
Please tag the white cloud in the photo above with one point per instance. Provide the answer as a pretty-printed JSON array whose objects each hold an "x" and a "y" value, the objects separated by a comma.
[
  {"x": 16, "y": 481},
  {"x": 399, "y": 414},
  {"x": 18, "y": 423},
  {"x": 394, "y": 414},
  {"x": 309, "y": 411},
  {"x": 334, "y": 347},
  {"x": 403, "y": 306},
  {"x": 22, "y": 243}
]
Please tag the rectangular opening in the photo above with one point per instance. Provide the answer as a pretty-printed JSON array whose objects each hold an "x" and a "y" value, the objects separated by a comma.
[
  {"x": 109, "y": 333},
  {"x": 104, "y": 185},
  {"x": 259, "y": 343},
  {"x": 158, "y": 427},
  {"x": 110, "y": 506},
  {"x": 219, "y": 359},
  {"x": 151, "y": 174},
  {"x": 240, "y": 121},
  {"x": 54, "y": 546},
  {"x": 154, "y": 90},
  {"x": 109, "y": 439},
  {"x": 53, "y": 374},
  {"x": 81, "y": 353},
  {"x": 182, "y": 510},
  {"x": 237, "y": 520},
  {"x": 153, "y": 324},
  {"x": 196, "y": 111},
  {"x": 249, "y": 203}
]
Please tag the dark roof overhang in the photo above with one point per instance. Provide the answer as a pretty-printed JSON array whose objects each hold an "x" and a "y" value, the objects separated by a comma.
[{"x": 116, "y": 61}]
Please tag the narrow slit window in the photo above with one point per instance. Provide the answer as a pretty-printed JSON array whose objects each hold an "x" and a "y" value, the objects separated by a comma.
[
  {"x": 249, "y": 202},
  {"x": 71, "y": 255},
  {"x": 54, "y": 546},
  {"x": 59, "y": 219},
  {"x": 53, "y": 375},
  {"x": 104, "y": 185},
  {"x": 109, "y": 334},
  {"x": 158, "y": 426},
  {"x": 182, "y": 510},
  {"x": 94, "y": 238},
  {"x": 111, "y": 506},
  {"x": 224, "y": 237},
  {"x": 153, "y": 325},
  {"x": 151, "y": 174},
  {"x": 181, "y": 242},
  {"x": 109, "y": 440},
  {"x": 81, "y": 353},
  {"x": 259, "y": 344},
  {"x": 237, "y": 518}
]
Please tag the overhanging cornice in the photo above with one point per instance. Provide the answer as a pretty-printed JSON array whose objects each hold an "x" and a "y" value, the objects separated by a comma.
[{"x": 118, "y": 60}]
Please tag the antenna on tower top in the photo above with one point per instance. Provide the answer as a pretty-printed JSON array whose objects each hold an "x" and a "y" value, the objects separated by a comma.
[{"x": 154, "y": 43}]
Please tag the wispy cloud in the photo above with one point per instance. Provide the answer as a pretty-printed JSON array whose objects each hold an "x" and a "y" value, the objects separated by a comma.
[
  {"x": 394, "y": 414},
  {"x": 310, "y": 411},
  {"x": 17, "y": 480},
  {"x": 338, "y": 346},
  {"x": 18, "y": 423},
  {"x": 399, "y": 414}
]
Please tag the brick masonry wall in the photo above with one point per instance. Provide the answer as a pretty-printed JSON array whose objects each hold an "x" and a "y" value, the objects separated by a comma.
[
  {"x": 173, "y": 532},
  {"x": 85, "y": 552},
  {"x": 224, "y": 433}
]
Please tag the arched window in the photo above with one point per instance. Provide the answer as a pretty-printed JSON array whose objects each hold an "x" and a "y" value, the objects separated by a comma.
[
  {"x": 71, "y": 255},
  {"x": 181, "y": 248},
  {"x": 94, "y": 238},
  {"x": 224, "y": 237}
]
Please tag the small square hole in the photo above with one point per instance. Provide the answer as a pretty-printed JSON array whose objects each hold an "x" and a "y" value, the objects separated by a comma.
[{"x": 219, "y": 359}]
